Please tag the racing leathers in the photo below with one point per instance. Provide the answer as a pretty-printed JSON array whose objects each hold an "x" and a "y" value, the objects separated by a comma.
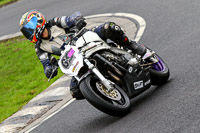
[{"x": 58, "y": 28}]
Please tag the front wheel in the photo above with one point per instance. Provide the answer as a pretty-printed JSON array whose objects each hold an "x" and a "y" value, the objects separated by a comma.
[
  {"x": 115, "y": 103},
  {"x": 159, "y": 72}
]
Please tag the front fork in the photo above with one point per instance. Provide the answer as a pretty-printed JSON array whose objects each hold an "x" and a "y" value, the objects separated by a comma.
[{"x": 104, "y": 81}]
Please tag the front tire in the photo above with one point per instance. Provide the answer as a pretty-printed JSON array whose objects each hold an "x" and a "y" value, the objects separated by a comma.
[{"x": 112, "y": 107}]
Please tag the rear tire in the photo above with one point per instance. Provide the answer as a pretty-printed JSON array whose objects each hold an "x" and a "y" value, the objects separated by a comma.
[
  {"x": 159, "y": 77},
  {"x": 100, "y": 101}
]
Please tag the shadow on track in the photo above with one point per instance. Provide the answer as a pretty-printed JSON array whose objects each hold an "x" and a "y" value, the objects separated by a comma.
[
  {"x": 146, "y": 95},
  {"x": 103, "y": 122}
]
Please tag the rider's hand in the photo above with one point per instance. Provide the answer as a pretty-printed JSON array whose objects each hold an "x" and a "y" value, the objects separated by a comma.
[
  {"x": 48, "y": 71},
  {"x": 80, "y": 23},
  {"x": 53, "y": 61}
]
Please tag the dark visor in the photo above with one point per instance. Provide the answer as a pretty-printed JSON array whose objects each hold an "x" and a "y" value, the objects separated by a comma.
[{"x": 29, "y": 28}]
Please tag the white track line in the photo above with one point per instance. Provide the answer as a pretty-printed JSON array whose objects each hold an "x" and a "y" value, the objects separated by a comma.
[
  {"x": 62, "y": 107},
  {"x": 10, "y": 36},
  {"x": 141, "y": 28}
]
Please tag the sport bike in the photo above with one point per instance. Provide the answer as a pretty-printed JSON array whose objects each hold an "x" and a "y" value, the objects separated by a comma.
[{"x": 108, "y": 74}]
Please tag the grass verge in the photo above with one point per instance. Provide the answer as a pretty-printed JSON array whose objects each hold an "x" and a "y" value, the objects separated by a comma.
[
  {"x": 6, "y": 2},
  {"x": 21, "y": 75}
]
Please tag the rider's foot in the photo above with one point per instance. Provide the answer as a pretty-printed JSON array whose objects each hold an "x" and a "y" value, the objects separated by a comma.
[{"x": 136, "y": 48}]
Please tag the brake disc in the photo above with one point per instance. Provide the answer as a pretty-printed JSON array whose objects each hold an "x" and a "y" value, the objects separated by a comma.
[{"x": 112, "y": 94}]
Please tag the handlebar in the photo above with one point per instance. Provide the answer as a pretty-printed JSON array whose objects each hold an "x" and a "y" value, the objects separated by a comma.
[{"x": 77, "y": 33}]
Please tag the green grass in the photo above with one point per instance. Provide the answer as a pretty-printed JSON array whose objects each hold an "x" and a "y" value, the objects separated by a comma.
[
  {"x": 21, "y": 75},
  {"x": 3, "y": 2}
]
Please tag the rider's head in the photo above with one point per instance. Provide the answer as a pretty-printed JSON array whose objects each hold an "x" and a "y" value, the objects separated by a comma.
[{"x": 32, "y": 25}]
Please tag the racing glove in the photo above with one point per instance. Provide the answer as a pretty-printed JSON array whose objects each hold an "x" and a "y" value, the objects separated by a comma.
[
  {"x": 49, "y": 69},
  {"x": 80, "y": 23}
]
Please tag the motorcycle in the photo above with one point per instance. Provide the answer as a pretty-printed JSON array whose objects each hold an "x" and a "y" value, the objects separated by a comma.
[{"x": 109, "y": 75}]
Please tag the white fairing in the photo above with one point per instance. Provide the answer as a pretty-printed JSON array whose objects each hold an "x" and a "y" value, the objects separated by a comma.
[
  {"x": 71, "y": 61},
  {"x": 87, "y": 37}
]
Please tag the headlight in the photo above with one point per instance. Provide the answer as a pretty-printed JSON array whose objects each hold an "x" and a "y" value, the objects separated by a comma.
[{"x": 65, "y": 62}]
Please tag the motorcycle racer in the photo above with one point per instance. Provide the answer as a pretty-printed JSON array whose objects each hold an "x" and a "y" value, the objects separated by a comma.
[{"x": 50, "y": 37}]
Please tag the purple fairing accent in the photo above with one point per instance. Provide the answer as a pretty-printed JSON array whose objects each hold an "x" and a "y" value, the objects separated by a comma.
[{"x": 159, "y": 66}]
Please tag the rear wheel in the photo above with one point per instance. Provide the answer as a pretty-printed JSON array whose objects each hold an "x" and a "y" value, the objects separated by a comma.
[
  {"x": 159, "y": 72},
  {"x": 114, "y": 103}
]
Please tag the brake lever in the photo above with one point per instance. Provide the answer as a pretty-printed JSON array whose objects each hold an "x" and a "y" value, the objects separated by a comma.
[{"x": 148, "y": 54}]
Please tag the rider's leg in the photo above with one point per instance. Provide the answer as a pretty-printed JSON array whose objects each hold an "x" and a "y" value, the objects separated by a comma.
[{"x": 112, "y": 31}]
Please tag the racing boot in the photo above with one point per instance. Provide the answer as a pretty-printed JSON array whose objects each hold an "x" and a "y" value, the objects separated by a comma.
[
  {"x": 133, "y": 45},
  {"x": 112, "y": 31},
  {"x": 137, "y": 48}
]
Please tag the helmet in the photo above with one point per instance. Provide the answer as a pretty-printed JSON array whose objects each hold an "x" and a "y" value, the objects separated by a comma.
[{"x": 32, "y": 25}]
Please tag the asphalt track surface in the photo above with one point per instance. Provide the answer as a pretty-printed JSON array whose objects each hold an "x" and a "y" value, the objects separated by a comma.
[{"x": 172, "y": 31}]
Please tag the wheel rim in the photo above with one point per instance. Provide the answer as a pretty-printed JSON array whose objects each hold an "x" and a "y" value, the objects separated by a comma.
[
  {"x": 121, "y": 102},
  {"x": 159, "y": 66},
  {"x": 113, "y": 94}
]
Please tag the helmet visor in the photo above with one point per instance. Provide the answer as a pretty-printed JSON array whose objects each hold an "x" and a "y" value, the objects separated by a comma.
[{"x": 29, "y": 29}]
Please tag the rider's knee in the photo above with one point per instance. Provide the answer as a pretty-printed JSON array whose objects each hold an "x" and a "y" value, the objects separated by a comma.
[{"x": 111, "y": 30}]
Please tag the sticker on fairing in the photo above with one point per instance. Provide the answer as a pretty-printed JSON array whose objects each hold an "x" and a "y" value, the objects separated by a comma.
[
  {"x": 138, "y": 84},
  {"x": 147, "y": 82},
  {"x": 70, "y": 53},
  {"x": 75, "y": 66}
]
